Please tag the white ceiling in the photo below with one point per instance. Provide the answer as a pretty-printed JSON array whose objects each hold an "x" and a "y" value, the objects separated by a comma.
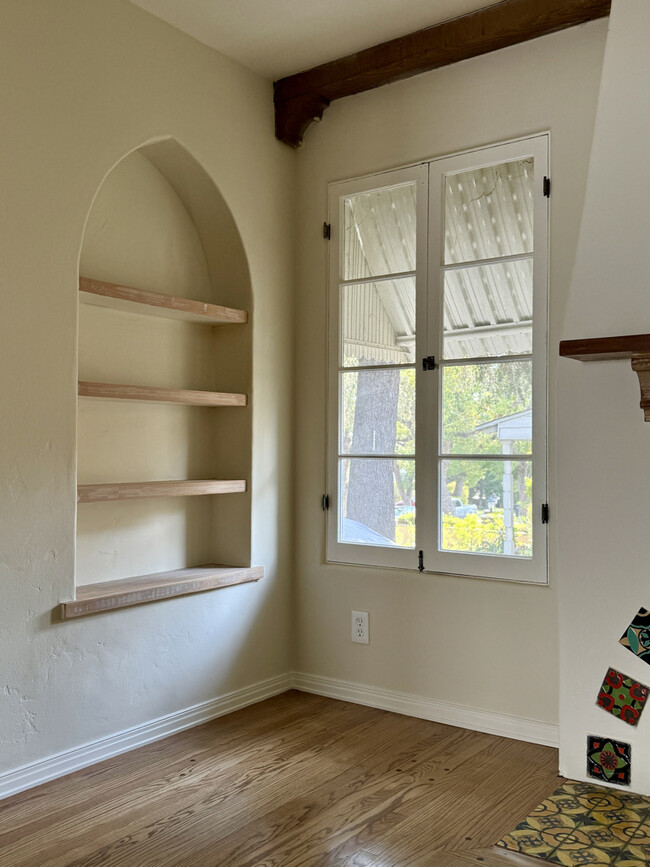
[{"x": 279, "y": 37}]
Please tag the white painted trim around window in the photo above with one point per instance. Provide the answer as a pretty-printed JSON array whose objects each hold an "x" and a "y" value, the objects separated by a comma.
[{"x": 428, "y": 177}]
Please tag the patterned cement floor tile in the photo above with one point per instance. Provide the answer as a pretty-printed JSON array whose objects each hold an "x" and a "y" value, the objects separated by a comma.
[
  {"x": 631, "y": 801},
  {"x": 584, "y": 824}
]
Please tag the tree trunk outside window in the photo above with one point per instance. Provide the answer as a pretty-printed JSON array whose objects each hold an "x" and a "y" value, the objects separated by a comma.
[{"x": 371, "y": 497}]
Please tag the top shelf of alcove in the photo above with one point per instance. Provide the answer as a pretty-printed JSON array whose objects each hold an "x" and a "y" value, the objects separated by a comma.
[
  {"x": 606, "y": 348},
  {"x": 132, "y": 300}
]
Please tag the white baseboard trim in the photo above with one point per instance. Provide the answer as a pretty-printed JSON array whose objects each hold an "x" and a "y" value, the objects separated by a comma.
[
  {"x": 533, "y": 731},
  {"x": 59, "y": 765},
  {"x": 36, "y": 773}
]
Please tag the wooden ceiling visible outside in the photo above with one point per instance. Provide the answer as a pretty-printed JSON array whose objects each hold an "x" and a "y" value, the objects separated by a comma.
[{"x": 301, "y": 98}]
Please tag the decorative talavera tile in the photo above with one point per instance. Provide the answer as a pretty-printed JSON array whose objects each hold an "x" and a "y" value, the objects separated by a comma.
[
  {"x": 637, "y": 635},
  {"x": 608, "y": 760},
  {"x": 622, "y": 696}
]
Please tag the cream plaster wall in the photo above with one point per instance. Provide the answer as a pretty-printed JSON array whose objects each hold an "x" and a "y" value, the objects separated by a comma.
[
  {"x": 84, "y": 84},
  {"x": 603, "y": 466},
  {"x": 479, "y": 644}
]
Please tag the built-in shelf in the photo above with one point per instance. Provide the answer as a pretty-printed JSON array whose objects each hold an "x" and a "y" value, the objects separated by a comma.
[
  {"x": 133, "y": 300},
  {"x": 161, "y": 395},
  {"x": 636, "y": 347},
  {"x": 125, "y": 592},
  {"x": 143, "y": 490}
]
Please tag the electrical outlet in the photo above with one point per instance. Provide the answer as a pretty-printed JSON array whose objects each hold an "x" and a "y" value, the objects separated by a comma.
[{"x": 360, "y": 627}]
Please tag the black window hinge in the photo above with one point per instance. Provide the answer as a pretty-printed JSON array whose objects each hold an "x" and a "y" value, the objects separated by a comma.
[
  {"x": 429, "y": 363},
  {"x": 545, "y": 513},
  {"x": 327, "y": 231},
  {"x": 325, "y": 502},
  {"x": 420, "y": 561},
  {"x": 547, "y": 187}
]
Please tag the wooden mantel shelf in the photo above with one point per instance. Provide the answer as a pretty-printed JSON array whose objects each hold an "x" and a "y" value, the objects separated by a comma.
[
  {"x": 125, "y": 592},
  {"x": 636, "y": 347},
  {"x": 144, "y": 490}
]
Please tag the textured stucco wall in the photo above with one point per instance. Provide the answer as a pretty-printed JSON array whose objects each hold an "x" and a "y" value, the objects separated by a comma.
[{"x": 84, "y": 84}]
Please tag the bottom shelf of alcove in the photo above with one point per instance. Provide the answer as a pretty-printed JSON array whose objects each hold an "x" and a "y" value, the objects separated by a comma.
[{"x": 125, "y": 592}]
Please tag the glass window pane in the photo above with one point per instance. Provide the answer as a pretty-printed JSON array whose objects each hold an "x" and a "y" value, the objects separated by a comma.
[
  {"x": 377, "y": 502},
  {"x": 488, "y": 310},
  {"x": 378, "y": 323},
  {"x": 486, "y": 507},
  {"x": 487, "y": 408},
  {"x": 379, "y": 232},
  {"x": 378, "y": 412},
  {"x": 489, "y": 212}
]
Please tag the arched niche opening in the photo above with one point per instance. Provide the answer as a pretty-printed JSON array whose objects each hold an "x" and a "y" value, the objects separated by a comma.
[{"x": 159, "y": 224}]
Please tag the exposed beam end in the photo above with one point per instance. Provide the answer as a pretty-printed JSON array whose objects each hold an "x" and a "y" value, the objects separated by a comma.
[{"x": 293, "y": 116}]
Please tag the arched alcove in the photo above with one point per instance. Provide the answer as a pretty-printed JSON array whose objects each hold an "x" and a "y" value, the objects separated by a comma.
[{"x": 164, "y": 412}]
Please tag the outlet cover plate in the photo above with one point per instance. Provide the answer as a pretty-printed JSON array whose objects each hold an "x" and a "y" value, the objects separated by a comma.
[{"x": 360, "y": 633}]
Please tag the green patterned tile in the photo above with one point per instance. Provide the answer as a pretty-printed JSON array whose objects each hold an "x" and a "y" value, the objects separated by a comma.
[
  {"x": 622, "y": 696},
  {"x": 609, "y": 760},
  {"x": 637, "y": 636}
]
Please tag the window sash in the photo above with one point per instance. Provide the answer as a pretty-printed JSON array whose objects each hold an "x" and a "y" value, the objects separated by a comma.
[
  {"x": 345, "y": 552},
  {"x": 495, "y": 566}
]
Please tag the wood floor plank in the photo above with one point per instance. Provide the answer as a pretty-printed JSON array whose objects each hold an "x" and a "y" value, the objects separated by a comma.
[
  {"x": 222, "y": 777},
  {"x": 322, "y": 759},
  {"x": 295, "y": 781},
  {"x": 245, "y": 790},
  {"x": 377, "y": 798},
  {"x": 293, "y": 824},
  {"x": 481, "y": 858},
  {"x": 472, "y": 794},
  {"x": 54, "y": 801}
]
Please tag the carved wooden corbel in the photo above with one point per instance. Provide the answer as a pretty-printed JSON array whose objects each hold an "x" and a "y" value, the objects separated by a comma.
[
  {"x": 636, "y": 347},
  {"x": 641, "y": 365},
  {"x": 294, "y": 115}
]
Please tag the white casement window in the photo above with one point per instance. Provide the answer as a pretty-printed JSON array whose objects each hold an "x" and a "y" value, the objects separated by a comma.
[{"x": 437, "y": 395}]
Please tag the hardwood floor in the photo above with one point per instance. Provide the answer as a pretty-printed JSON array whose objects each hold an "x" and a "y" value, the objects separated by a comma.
[{"x": 295, "y": 780}]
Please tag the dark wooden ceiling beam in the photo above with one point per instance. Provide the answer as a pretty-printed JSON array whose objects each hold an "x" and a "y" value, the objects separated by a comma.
[{"x": 301, "y": 98}]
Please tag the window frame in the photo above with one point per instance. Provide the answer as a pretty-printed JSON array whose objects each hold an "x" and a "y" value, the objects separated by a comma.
[{"x": 429, "y": 179}]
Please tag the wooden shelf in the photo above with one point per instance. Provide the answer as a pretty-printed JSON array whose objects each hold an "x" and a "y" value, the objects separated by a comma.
[
  {"x": 635, "y": 347},
  {"x": 161, "y": 395},
  {"x": 143, "y": 490},
  {"x": 111, "y": 595},
  {"x": 606, "y": 348},
  {"x": 153, "y": 303}
]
